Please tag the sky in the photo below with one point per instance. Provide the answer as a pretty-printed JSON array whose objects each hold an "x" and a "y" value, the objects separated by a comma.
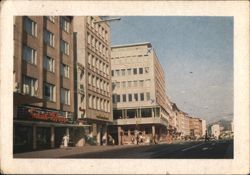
[{"x": 196, "y": 54}]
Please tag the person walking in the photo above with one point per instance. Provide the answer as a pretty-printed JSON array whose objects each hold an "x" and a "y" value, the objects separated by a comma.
[{"x": 65, "y": 141}]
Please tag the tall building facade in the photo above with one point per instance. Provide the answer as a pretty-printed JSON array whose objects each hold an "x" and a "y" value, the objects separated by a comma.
[
  {"x": 43, "y": 81},
  {"x": 183, "y": 124},
  {"x": 195, "y": 126},
  {"x": 93, "y": 76},
  {"x": 139, "y": 99}
]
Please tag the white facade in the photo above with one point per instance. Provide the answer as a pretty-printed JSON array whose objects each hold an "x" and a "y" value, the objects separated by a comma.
[
  {"x": 203, "y": 124},
  {"x": 215, "y": 130}
]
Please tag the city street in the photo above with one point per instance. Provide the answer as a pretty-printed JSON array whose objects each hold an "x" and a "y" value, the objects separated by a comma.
[{"x": 212, "y": 149}]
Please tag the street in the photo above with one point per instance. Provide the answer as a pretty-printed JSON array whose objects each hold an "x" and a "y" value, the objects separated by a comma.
[{"x": 185, "y": 150}]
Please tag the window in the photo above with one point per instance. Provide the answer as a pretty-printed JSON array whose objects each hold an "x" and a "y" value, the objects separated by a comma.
[
  {"x": 64, "y": 47},
  {"x": 123, "y": 72},
  {"x": 30, "y": 86},
  {"x": 142, "y": 96},
  {"x": 94, "y": 102},
  {"x": 49, "y": 92},
  {"x": 147, "y": 82},
  {"x": 89, "y": 38},
  {"x": 129, "y": 71},
  {"x": 64, "y": 24},
  {"x": 118, "y": 99},
  {"x": 112, "y": 73},
  {"x": 90, "y": 101},
  {"x": 148, "y": 96},
  {"x": 135, "y": 83},
  {"x": 141, "y": 83},
  {"x": 124, "y": 98},
  {"x": 129, "y": 97},
  {"x": 140, "y": 70},
  {"x": 29, "y": 55},
  {"x": 93, "y": 81},
  {"x": 136, "y": 97},
  {"x": 30, "y": 26},
  {"x": 49, "y": 64},
  {"x": 98, "y": 103},
  {"x": 89, "y": 78},
  {"x": 135, "y": 71},
  {"x": 89, "y": 58},
  {"x": 113, "y": 98},
  {"x": 65, "y": 96},
  {"x": 117, "y": 72},
  {"x": 51, "y": 18},
  {"x": 49, "y": 38},
  {"x": 129, "y": 84},
  {"x": 65, "y": 70},
  {"x": 124, "y": 84},
  {"x": 117, "y": 84}
]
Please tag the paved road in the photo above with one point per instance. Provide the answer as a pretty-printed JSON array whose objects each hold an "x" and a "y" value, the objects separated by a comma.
[{"x": 187, "y": 150}]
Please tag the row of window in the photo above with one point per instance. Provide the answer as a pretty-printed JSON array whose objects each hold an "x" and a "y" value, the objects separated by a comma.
[
  {"x": 97, "y": 64},
  {"x": 98, "y": 83},
  {"x": 97, "y": 26},
  {"x": 131, "y": 60},
  {"x": 131, "y": 84},
  {"x": 97, "y": 44},
  {"x": 49, "y": 38},
  {"x": 49, "y": 65},
  {"x": 30, "y": 56},
  {"x": 99, "y": 103},
  {"x": 30, "y": 86},
  {"x": 130, "y": 71},
  {"x": 117, "y": 98},
  {"x": 30, "y": 26}
]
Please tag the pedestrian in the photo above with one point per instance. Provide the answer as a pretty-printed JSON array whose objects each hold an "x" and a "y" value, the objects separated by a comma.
[
  {"x": 65, "y": 140},
  {"x": 137, "y": 139}
]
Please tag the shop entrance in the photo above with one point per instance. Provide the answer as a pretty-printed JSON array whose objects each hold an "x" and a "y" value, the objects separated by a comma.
[{"x": 43, "y": 135}]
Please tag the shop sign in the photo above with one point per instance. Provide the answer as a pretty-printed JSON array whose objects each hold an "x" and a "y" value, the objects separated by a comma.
[
  {"x": 38, "y": 114},
  {"x": 102, "y": 117}
]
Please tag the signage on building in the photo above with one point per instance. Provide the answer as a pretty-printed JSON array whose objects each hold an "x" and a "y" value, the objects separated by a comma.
[{"x": 40, "y": 114}]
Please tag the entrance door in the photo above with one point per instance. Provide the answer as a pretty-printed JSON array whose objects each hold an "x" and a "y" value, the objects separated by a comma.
[{"x": 43, "y": 135}]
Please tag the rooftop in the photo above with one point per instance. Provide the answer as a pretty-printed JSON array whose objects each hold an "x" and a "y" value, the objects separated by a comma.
[{"x": 131, "y": 45}]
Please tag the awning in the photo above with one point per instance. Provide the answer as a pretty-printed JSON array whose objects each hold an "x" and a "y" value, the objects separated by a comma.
[
  {"x": 20, "y": 99},
  {"x": 39, "y": 123}
]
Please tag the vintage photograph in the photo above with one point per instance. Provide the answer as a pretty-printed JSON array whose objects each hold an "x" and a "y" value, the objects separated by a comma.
[
  {"x": 124, "y": 87},
  {"x": 115, "y": 87}
]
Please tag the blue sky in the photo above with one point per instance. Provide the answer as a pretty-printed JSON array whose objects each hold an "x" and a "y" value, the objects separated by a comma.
[{"x": 201, "y": 45}]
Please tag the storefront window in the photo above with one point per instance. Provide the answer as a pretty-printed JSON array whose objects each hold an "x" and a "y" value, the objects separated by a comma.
[{"x": 23, "y": 136}]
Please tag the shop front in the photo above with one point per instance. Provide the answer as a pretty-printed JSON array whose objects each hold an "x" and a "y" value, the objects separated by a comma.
[{"x": 37, "y": 129}]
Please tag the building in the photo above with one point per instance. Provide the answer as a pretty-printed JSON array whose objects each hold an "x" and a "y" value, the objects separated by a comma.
[
  {"x": 183, "y": 124},
  {"x": 215, "y": 130},
  {"x": 43, "y": 81},
  {"x": 139, "y": 98},
  {"x": 93, "y": 77},
  {"x": 195, "y": 126},
  {"x": 203, "y": 125}
]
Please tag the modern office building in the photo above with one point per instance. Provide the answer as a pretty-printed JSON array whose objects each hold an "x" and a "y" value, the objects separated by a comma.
[
  {"x": 139, "y": 99},
  {"x": 93, "y": 76},
  {"x": 43, "y": 81}
]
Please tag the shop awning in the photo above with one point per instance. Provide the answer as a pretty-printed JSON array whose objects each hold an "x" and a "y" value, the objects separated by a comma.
[
  {"x": 39, "y": 123},
  {"x": 20, "y": 99}
]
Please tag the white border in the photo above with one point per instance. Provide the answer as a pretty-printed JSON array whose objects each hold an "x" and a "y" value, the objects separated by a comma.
[{"x": 240, "y": 12}]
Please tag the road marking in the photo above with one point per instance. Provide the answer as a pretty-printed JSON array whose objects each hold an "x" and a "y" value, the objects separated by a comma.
[
  {"x": 213, "y": 143},
  {"x": 192, "y": 147},
  {"x": 205, "y": 148}
]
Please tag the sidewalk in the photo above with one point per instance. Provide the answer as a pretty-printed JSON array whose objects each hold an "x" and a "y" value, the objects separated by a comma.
[{"x": 62, "y": 152}]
